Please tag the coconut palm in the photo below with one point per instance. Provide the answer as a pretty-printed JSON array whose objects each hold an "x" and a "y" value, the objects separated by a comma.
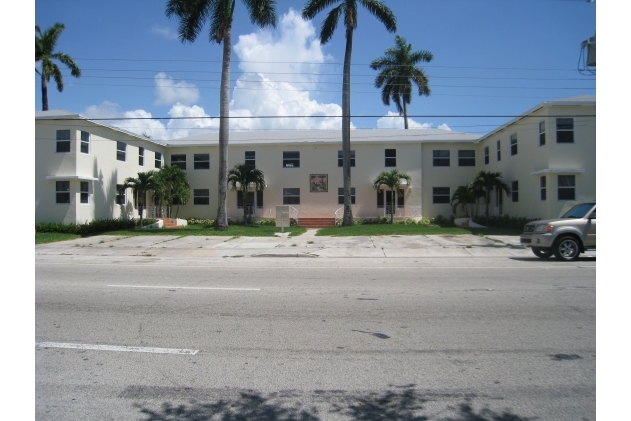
[
  {"x": 347, "y": 8},
  {"x": 485, "y": 182},
  {"x": 243, "y": 177},
  {"x": 171, "y": 186},
  {"x": 193, "y": 15},
  {"x": 140, "y": 186},
  {"x": 398, "y": 73},
  {"x": 393, "y": 180},
  {"x": 45, "y": 43},
  {"x": 464, "y": 196}
]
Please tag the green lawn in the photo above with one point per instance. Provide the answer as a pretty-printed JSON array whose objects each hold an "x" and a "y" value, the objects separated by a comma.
[
  {"x": 399, "y": 229},
  {"x": 51, "y": 237}
]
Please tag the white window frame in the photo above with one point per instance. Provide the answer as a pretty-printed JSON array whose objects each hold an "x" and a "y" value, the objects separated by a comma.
[
  {"x": 84, "y": 192},
  {"x": 157, "y": 160},
  {"x": 340, "y": 195},
  {"x": 201, "y": 161},
  {"x": 340, "y": 159},
  {"x": 201, "y": 197},
  {"x": 60, "y": 188},
  {"x": 513, "y": 144},
  {"x": 566, "y": 188},
  {"x": 63, "y": 141},
  {"x": 392, "y": 159},
  {"x": 141, "y": 156},
  {"x": 438, "y": 157},
  {"x": 487, "y": 158},
  {"x": 249, "y": 158},
  {"x": 543, "y": 189},
  {"x": 514, "y": 191},
  {"x": 289, "y": 193},
  {"x": 85, "y": 142},
  {"x": 542, "y": 133},
  {"x": 468, "y": 160},
  {"x": 499, "y": 150},
  {"x": 436, "y": 195},
  {"x": 287, "y": 159},
  {"x": 565, "y": 130},
  {"x": 121, "y": 198},
  {"x": 181, "y": 164},
  {"x": 121, "y": 151}
]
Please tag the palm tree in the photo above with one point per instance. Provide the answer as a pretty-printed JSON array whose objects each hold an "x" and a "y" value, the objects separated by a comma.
[
  {"x": 392, "y": 179},
  {"x": 398, "y": 71},
  {"x": 348, "y": 8},
  {"x": 242, "y": 177},
  {"x": 45, "y": 52},
  {"x": 140, "y": 186},
  {"x": 171, "y": 185},
  {"x": 192, "y": 15},
  {"x": 463, "y": 197},
  {"x": 485, "y": 182}
]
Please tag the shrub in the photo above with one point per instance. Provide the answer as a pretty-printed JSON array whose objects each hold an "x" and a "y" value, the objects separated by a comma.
[
  {"x": 92, "y": 227},
  {"x": 266, "y": 221},
  {"x": 441, "y": 221},
  {"x": 503, "y": 221},
  {"x": 195, "y": 221}
]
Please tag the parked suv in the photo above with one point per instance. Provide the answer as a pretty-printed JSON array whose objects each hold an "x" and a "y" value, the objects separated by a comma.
[{"x": 565, "y": 237}]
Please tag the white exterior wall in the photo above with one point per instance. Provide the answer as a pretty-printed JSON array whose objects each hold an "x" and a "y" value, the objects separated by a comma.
[{"x": 318, "y": 155}]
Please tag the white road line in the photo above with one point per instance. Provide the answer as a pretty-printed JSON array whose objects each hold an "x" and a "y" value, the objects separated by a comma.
[
  {"x": 160, "y": 287},
  {"x": 117, "y": 348}
]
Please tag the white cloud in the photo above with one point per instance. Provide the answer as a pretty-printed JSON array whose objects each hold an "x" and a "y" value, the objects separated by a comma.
[
  {"x": 279, "y": 70},
  {"x": 137, "y": 121},
  {"x": 167, "y": 33},
  {"x": 393, "y": 120},
  {"x": 169, "y": 92}
]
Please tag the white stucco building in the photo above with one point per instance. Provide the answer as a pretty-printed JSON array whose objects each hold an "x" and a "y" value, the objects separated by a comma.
[{"x": 547, "y": 155}]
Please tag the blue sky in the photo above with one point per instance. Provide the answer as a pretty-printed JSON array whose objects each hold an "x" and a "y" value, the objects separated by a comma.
[{"x": 491, "y": 58}]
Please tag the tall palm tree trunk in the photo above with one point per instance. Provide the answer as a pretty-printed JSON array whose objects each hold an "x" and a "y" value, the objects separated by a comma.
[
  {"x": 393, "y": 204},
  {"x": 224, "y": 130},
  {"x": 346, "y": 129},
  {"x": 405, "y": 114},
  {"x": 44, "y": 93}
]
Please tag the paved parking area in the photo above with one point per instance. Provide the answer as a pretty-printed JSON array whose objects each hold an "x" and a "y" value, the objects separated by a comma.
[{"x": 307, "y": 244}]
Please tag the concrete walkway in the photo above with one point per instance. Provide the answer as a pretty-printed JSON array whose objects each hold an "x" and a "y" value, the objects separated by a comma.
[{"x": 307, "y": 245}]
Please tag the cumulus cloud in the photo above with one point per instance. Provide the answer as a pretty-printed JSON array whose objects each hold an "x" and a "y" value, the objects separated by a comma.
[
  {"x": 167, "y": 33},
  {"x": 393, "y": 120},
  {"x": 279, "y": 69},
  {"x": 167, "y": 91},
  {"x": 136, "y": 121}
]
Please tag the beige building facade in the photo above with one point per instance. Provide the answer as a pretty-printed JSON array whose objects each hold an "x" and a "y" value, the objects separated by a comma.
[{"x": 80, "y": 162}]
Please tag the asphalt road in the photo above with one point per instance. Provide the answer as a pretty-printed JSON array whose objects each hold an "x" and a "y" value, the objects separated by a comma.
[{"x": 307, "y": 339}]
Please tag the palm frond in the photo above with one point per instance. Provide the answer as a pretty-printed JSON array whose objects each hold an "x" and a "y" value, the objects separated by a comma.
[
  {"x": 330, "y": 24},
  {"x": 382, "y": 13},
  {"x": 262, "y": 12}
]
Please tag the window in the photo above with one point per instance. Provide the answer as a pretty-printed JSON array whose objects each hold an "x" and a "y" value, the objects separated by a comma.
[
  {"x": 441, "y": 158},
  {"x": 486, "y": 155},
  {"x": 249, "y": 201},
  {"x": 566, "y": 187},
  {"x": 201, "y": 161},
  {"x": 291, "y": 196},
  {"x": 178, "y": 161},
  {"x": 250, "y": 158},
  {"x": 499, "y": 151},
  {"x": 85, "y": 142},
  {"x": 565, "y": 130},
  {"x": 63, "y": 141},
  {"x": 121, "y": 150},
  {"x": 121, "y": 195},
  {"x": 542, "y": 188},
  {"x": 542, "y": 133},
  {"x": 466, "y": 158},
  {"x": 514, "y": 191},
  {"x": 158, "y": 161},
  {"x": 340, "y": 159},
  {"x": 62, "y": 190},
  {"x": 141, "y": 156},
  {"x": 513, "y": 144},
  {"x": 388, "y": 201},
  {"x": 201, "y": 196},
  {"x": 340, "y": 195},
  {"x": 391, "y": 157},
  {"x": 85, "y": 192},
  {"x": 291, "y": 159},
  {"x": 440, "y": 195}
]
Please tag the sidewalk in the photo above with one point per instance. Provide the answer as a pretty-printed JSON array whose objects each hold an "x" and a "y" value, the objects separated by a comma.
[{"x": 307, "y": 245}]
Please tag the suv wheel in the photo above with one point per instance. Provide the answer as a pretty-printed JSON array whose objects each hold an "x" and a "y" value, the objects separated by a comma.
[
  {"x": 542, "y": 253},
  {"x": 567, "y": 248}
]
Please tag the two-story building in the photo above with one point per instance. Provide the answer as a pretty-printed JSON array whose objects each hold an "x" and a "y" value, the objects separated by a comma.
[{"x": 546, "y": 155}]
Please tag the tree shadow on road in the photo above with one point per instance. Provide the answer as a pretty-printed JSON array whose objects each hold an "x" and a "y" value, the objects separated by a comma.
[{"x": 397, "y": 404}]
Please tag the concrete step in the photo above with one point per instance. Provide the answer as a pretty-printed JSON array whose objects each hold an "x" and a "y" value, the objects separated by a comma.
[{"x": 316, "y": 222}]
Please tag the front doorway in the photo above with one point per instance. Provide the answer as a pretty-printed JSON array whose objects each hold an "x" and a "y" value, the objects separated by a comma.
[{"x": 385, "y": 201}]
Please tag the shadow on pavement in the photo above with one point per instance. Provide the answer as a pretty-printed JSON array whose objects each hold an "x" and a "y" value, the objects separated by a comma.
[{"x": 399, "y": 404}]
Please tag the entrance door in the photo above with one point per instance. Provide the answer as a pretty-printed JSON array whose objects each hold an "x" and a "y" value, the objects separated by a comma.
[{"x": 499, "y": 200}]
